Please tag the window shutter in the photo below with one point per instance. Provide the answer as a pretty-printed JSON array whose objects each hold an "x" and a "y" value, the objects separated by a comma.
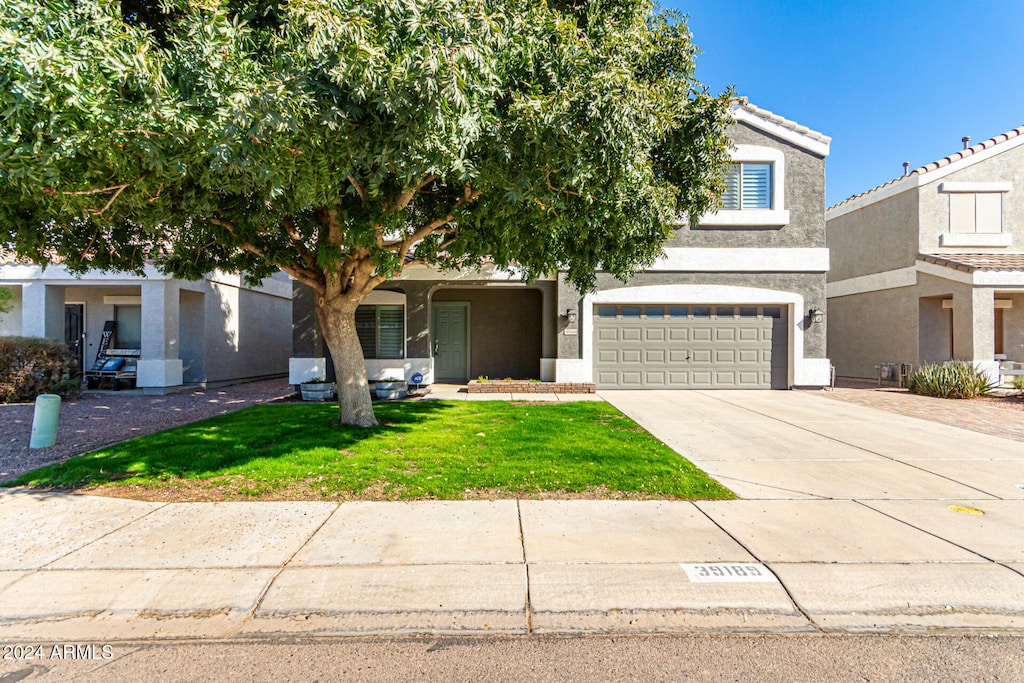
[
  {"x": 366, "y": 328},
  {"x": 390, "y": 331},
  {"x": 757, "y": 186}
]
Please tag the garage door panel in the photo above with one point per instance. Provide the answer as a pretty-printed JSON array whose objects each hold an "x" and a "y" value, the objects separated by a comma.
[
  {"x": 630, "y": 379},
  {"x": 629, "y": 356},
  {"x": 702, "y": 356},
  {"x": 678, "y": 356},
  {"x": 655, "y": 379},
  {"x": 725, "y": 334},
  {"x": 687, "y": 353},
  {"x": 655, "y": 334},
  {"x": 701, "y": 334},
  {"x": 628, "y": 334},
  {"x": 655, "y": 355}
]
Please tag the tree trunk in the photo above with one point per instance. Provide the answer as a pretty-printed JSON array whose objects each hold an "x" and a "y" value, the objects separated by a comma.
[{"x": 338, "y": 323}]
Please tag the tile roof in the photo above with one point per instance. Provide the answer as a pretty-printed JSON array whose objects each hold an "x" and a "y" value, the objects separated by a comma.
[
  {"x": 974, "y": 262},
  {"x": 8, "y": 257},
  {"x": 944, "y": 161},
  {"x": 742, "y": 103}
]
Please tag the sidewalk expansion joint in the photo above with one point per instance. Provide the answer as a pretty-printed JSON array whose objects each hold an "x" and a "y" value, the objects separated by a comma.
[
  {"x": 526, "y": 566},
  {"x": 782, "y": 583},
  {"x": 925, "y": 531},
  {"x": 266, "y": 589},
  {"x": 100, "y": 538}
]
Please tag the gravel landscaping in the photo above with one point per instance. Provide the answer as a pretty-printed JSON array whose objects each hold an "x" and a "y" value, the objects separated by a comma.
[{"x": 97, "y": 420}]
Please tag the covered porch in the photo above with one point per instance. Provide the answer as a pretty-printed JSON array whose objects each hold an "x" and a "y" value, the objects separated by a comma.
[{"x": 971, "y": 307}]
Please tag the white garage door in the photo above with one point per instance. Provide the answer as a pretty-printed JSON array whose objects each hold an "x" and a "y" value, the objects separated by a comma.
[{"x": 648, "y": 346}]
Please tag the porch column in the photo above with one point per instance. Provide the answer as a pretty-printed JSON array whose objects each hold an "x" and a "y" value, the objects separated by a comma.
[
  {"x": 160, "y": 365},
  {"x": 42, "y": 310},
  {"x": 974, "y": 328}
]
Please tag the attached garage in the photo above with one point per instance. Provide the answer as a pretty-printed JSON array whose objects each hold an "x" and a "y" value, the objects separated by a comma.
[{"x": 689, "y": 346}]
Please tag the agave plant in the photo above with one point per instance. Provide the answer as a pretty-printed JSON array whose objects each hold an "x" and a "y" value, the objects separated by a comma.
[{"x": 955, "y": 379}]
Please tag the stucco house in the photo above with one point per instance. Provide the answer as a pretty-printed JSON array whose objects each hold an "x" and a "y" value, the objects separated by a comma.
[
  {"x": 213, "y": 331},
  {"x": 929, "y": 267},
  {"x": 736, "y": 302}
]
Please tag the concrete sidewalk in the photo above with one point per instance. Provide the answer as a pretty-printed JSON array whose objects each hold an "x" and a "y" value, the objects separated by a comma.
[{"x": 847, "y": 526}]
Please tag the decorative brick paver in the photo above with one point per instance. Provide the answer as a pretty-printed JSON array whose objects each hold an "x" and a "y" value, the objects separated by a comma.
[{"x": 998, "y": 416}]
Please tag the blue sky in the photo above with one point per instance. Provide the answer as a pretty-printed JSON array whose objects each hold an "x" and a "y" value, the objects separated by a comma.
[{"x": 888, "y": 81}]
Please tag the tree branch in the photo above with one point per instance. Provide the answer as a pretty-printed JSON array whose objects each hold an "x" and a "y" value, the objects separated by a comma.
[
  {"x": 403, "y": 199},
  {"x": 288, "y": 223},
  {"x": 306, "y": 276},
  {"x": 359, "y": 190}
]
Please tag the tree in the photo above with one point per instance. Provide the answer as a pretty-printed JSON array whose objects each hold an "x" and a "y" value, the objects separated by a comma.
[
  {"x": 345, "y": 140},
  {"x": 5, "y": 299}
]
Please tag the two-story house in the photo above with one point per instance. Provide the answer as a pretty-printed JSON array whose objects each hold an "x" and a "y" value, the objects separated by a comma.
[
  {"x": 736, "y": 301},
  {"x": 929, "y": 267}
]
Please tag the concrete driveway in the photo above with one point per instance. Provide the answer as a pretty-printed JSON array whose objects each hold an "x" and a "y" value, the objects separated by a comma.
[{"x": 862, "y": 514}]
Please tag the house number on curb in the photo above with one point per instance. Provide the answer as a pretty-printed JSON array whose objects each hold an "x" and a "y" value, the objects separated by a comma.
[{"x": 728, "y": 573}]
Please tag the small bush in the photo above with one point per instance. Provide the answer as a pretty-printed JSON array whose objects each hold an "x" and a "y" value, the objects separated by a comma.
[
  {"x": 30, "y": 366},
  {"x": 955, "y": 379},
  {"x": 1018, "y": 382}
]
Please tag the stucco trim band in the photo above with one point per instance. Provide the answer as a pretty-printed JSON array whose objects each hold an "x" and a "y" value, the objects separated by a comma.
[{"x": 743, "y": 260}]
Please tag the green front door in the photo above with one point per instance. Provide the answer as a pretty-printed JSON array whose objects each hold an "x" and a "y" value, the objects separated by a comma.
[{"x": 451, "y": 341}]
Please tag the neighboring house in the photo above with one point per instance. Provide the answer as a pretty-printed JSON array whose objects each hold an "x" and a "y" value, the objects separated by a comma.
[
  {"x": 930, "y": 267},
  {"x": 726, "y": 307},
  {"x": 213, "y": 331}
]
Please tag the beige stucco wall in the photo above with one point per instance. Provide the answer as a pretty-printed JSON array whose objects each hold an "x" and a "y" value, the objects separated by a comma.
[
  {"x": 879, "y": 237},
  {"x": 867, "y": 329},
  {"x": 934, "y": 205}
]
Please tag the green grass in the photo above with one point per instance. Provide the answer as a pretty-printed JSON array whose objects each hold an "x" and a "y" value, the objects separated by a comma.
[{"x": 427, "y": 449}]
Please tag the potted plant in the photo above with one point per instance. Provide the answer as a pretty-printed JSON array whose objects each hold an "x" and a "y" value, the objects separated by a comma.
[
  {"x": 317, "y": 389},
  {"x": 391, "y": 387}
]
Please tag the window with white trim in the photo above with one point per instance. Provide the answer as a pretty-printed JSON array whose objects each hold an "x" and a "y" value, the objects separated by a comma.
[
  {"x": 973, "y": 212},
  {"x": 381, "y": 331},
  {"x": 748, "y": 186},
  {"x": 755, "y": 190}
]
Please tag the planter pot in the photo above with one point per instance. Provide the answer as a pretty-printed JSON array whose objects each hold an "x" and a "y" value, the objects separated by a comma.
[
  {"x": 319, "y": 391},
  {"x": 391, "y": 389}
]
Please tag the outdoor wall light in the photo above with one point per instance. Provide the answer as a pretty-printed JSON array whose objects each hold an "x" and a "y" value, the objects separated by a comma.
[
  {"x": 571, "y": 315},
  {"x": 816, "y": 315}
]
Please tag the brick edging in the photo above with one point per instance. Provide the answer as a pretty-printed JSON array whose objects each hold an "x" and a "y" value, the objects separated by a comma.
[{"x": 522, "y": 386}]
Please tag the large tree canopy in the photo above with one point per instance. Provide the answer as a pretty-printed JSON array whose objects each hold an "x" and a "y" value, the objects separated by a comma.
[{"x": 345, "y": 140}]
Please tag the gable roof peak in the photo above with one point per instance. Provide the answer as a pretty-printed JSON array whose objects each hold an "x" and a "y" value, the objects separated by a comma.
[
  {"x": 770, "y": 122},
  {"x": 936, "y": 165}
]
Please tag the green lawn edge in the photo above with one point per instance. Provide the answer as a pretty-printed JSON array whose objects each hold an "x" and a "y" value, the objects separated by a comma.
[{"x": 447, "y": 450}]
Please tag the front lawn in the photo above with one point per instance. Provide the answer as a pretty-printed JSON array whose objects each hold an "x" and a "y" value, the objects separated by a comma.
[{"x": 426, "y": 449}]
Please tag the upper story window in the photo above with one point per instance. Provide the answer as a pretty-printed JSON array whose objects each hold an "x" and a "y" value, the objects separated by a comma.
[
  {"x": 749, "y": 186},
  {"x": 975, "y": 214},
  {"x": 755, "y": 190}
]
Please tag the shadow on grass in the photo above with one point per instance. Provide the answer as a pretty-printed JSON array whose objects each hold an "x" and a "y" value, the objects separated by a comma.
[{"x": 219, "y": 445}]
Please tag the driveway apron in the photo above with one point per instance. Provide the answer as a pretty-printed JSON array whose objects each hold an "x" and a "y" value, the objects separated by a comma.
[{"x": 872, "y": 521}]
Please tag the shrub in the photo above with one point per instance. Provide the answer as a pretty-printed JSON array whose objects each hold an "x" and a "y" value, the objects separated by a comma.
[
  {"x": 1018, "y": 382},
  {"x": 955, "y": 379},
  {"x": 30, "y": 366}
]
